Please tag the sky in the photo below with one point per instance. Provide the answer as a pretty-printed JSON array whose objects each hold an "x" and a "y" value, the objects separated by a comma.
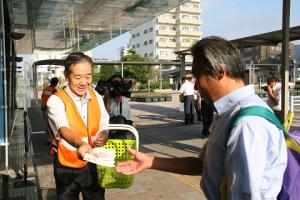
[{"x": 230, "y": 19}]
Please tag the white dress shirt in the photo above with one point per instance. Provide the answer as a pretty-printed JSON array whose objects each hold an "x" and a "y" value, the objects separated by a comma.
[
  {"x": 277, "y": 94},
  {"x": 253, "y": 156},
  {"x": 187, "y": 88},
  {"x": 115, "y": 108},
  {"x": 57, "y": 115}
]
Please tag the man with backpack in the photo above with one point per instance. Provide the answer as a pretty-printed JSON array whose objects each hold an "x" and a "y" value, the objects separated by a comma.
[{"x": 244, "y": 158}]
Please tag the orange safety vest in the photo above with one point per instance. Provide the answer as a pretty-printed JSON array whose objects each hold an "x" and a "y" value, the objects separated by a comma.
[
  {"x": 47, "y": 92},
  {"x": 67, "y": 157}
]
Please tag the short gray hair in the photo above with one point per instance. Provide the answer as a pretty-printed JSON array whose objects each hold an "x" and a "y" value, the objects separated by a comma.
[{"x": 212, "y": 55}]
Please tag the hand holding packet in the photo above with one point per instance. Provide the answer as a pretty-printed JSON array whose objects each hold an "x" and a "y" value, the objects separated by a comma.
[{"x": 101, "y": 156}]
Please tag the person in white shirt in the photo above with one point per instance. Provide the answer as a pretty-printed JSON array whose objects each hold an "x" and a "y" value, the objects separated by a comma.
[
  {"x": 274, "y": 95},
  {"x": 77, "y": 117},
  {"x": 187, "y": 90},
  {"x": 246, "y": 163}
]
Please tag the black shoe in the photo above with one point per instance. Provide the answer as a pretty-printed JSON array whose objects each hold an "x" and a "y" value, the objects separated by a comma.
[
  {"x": 199, "y": 117},
  {"x": 205, "y": 134},
  {"x": 187, "y": 118}
]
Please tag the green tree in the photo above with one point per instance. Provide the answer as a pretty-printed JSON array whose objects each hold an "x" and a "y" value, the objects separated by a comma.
[
  {"x": 140, "y": 72},
  {"x": 103, "y": 72}
]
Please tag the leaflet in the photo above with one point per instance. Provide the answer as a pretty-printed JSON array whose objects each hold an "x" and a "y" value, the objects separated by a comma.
[{"x": 101, "y": 156}]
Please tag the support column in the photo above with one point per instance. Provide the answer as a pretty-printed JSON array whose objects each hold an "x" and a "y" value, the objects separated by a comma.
[
  {"x": 285, "y": 59},
  {"x": 182, "y": 66},
  {"x": 122, "y": 69},
  {"x": 160, "y": 76}
]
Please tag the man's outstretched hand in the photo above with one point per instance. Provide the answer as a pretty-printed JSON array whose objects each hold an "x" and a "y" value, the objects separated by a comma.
[{"x": 139, "y": 163}]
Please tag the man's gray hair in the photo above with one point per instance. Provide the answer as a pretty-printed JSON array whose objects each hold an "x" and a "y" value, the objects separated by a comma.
[{"x": 212, "y": 55}]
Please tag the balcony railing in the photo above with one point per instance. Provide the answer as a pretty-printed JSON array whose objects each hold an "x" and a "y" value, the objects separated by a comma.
[
  {"x": 166, "y": 21},
  {"x": 189, "y": 21},
  {"x": 189, "y": 10},
  {"x": 166, "y": 57},
  {"x": 182, "y": 44},
  {"x": 190, "y": 33},
  {"x": 166, "y": 32},
  {"x": 166, "y": 44}
]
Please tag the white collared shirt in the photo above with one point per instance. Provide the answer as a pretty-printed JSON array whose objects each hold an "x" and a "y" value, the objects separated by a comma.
[
  {"x": 253, "y": 157},
  {"x": 57, "y": 114},
  {"x": 277, "y": 94},
  {"x": 187, "y": 88}
]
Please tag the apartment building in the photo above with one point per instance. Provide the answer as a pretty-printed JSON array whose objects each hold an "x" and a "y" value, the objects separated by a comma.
[{"x": 176, "y": 30}]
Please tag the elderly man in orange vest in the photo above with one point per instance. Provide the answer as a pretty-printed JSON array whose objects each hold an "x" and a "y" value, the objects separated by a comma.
[{"x": 76, "y": 115}]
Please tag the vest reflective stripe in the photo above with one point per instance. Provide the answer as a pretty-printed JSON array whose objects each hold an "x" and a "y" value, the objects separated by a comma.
[
  {"x": 48, "y": 93},
  {"x": 67, "y": 154}
]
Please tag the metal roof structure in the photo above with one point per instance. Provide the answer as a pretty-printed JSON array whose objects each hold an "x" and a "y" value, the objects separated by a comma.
[
  {"x": 267, "y": 39},
  {"x": 60, "y": 24},
  {"x": 61, "y": 62}
]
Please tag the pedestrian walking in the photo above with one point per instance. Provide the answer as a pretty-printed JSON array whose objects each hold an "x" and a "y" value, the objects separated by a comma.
[{"x": 187, "y": 90}]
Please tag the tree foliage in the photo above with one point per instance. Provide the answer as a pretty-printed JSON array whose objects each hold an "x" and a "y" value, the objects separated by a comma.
[
  {"x": 140, "y": 72},
  {"x": 103, "y": 72}
]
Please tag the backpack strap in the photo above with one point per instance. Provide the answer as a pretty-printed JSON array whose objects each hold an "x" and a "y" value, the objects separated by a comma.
[
  {"x": 257, "y": 111},
  {"x": 269, "y": 115}
]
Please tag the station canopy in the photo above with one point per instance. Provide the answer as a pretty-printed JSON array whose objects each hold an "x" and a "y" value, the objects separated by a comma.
[
  {"x": 266, "y": 39},
  {"x": 55, "y": 24}
]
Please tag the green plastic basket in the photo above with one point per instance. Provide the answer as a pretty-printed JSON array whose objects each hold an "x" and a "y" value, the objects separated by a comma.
[{"x": 107, "y": 176}]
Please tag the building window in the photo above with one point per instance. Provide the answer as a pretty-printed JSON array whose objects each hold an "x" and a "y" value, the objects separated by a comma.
[
  {"x": 185, "y": 28},
  {"x": 138, "y": 45},
  {"x": 195, "y": 29},
  {"x": 172, "y": 40},
  {"x": 133, "y": 36},
  {"x": 151, "y": 54},
  {"x": 162, "y": 39},
  {"x": 185, "y": 17},
  {"x": 145, "y": 31},
  {"x": 145, "y": 43},
  {"x": 138, "y": 35},
  {"x": 195, "y": 17},
  {"x": 163, "y": 28},
  {"x": 186, "y": 40},
  {"x": 133, "y": 46},
  {"x": 150, "y": 29},
  {"x": 150, "y": 41},
  {"x": 172, "y": 28}
]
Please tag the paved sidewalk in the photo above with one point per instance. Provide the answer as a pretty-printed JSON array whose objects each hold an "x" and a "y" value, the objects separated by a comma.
[{"x": 161, "y": 130}]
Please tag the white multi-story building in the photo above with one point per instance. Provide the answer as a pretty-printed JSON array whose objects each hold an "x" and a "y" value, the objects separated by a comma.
[{"x": 176, "y": 30}]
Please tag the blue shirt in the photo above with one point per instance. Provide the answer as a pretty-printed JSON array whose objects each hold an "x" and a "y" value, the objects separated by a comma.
[{"x": 252, "y": 157}]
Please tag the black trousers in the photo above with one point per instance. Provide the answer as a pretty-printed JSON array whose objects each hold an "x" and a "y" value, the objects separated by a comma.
[
  {"x": 70, "y": 182},
  {"x": 207, "y": 111},
  {"x": 189, "y": 103}
]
